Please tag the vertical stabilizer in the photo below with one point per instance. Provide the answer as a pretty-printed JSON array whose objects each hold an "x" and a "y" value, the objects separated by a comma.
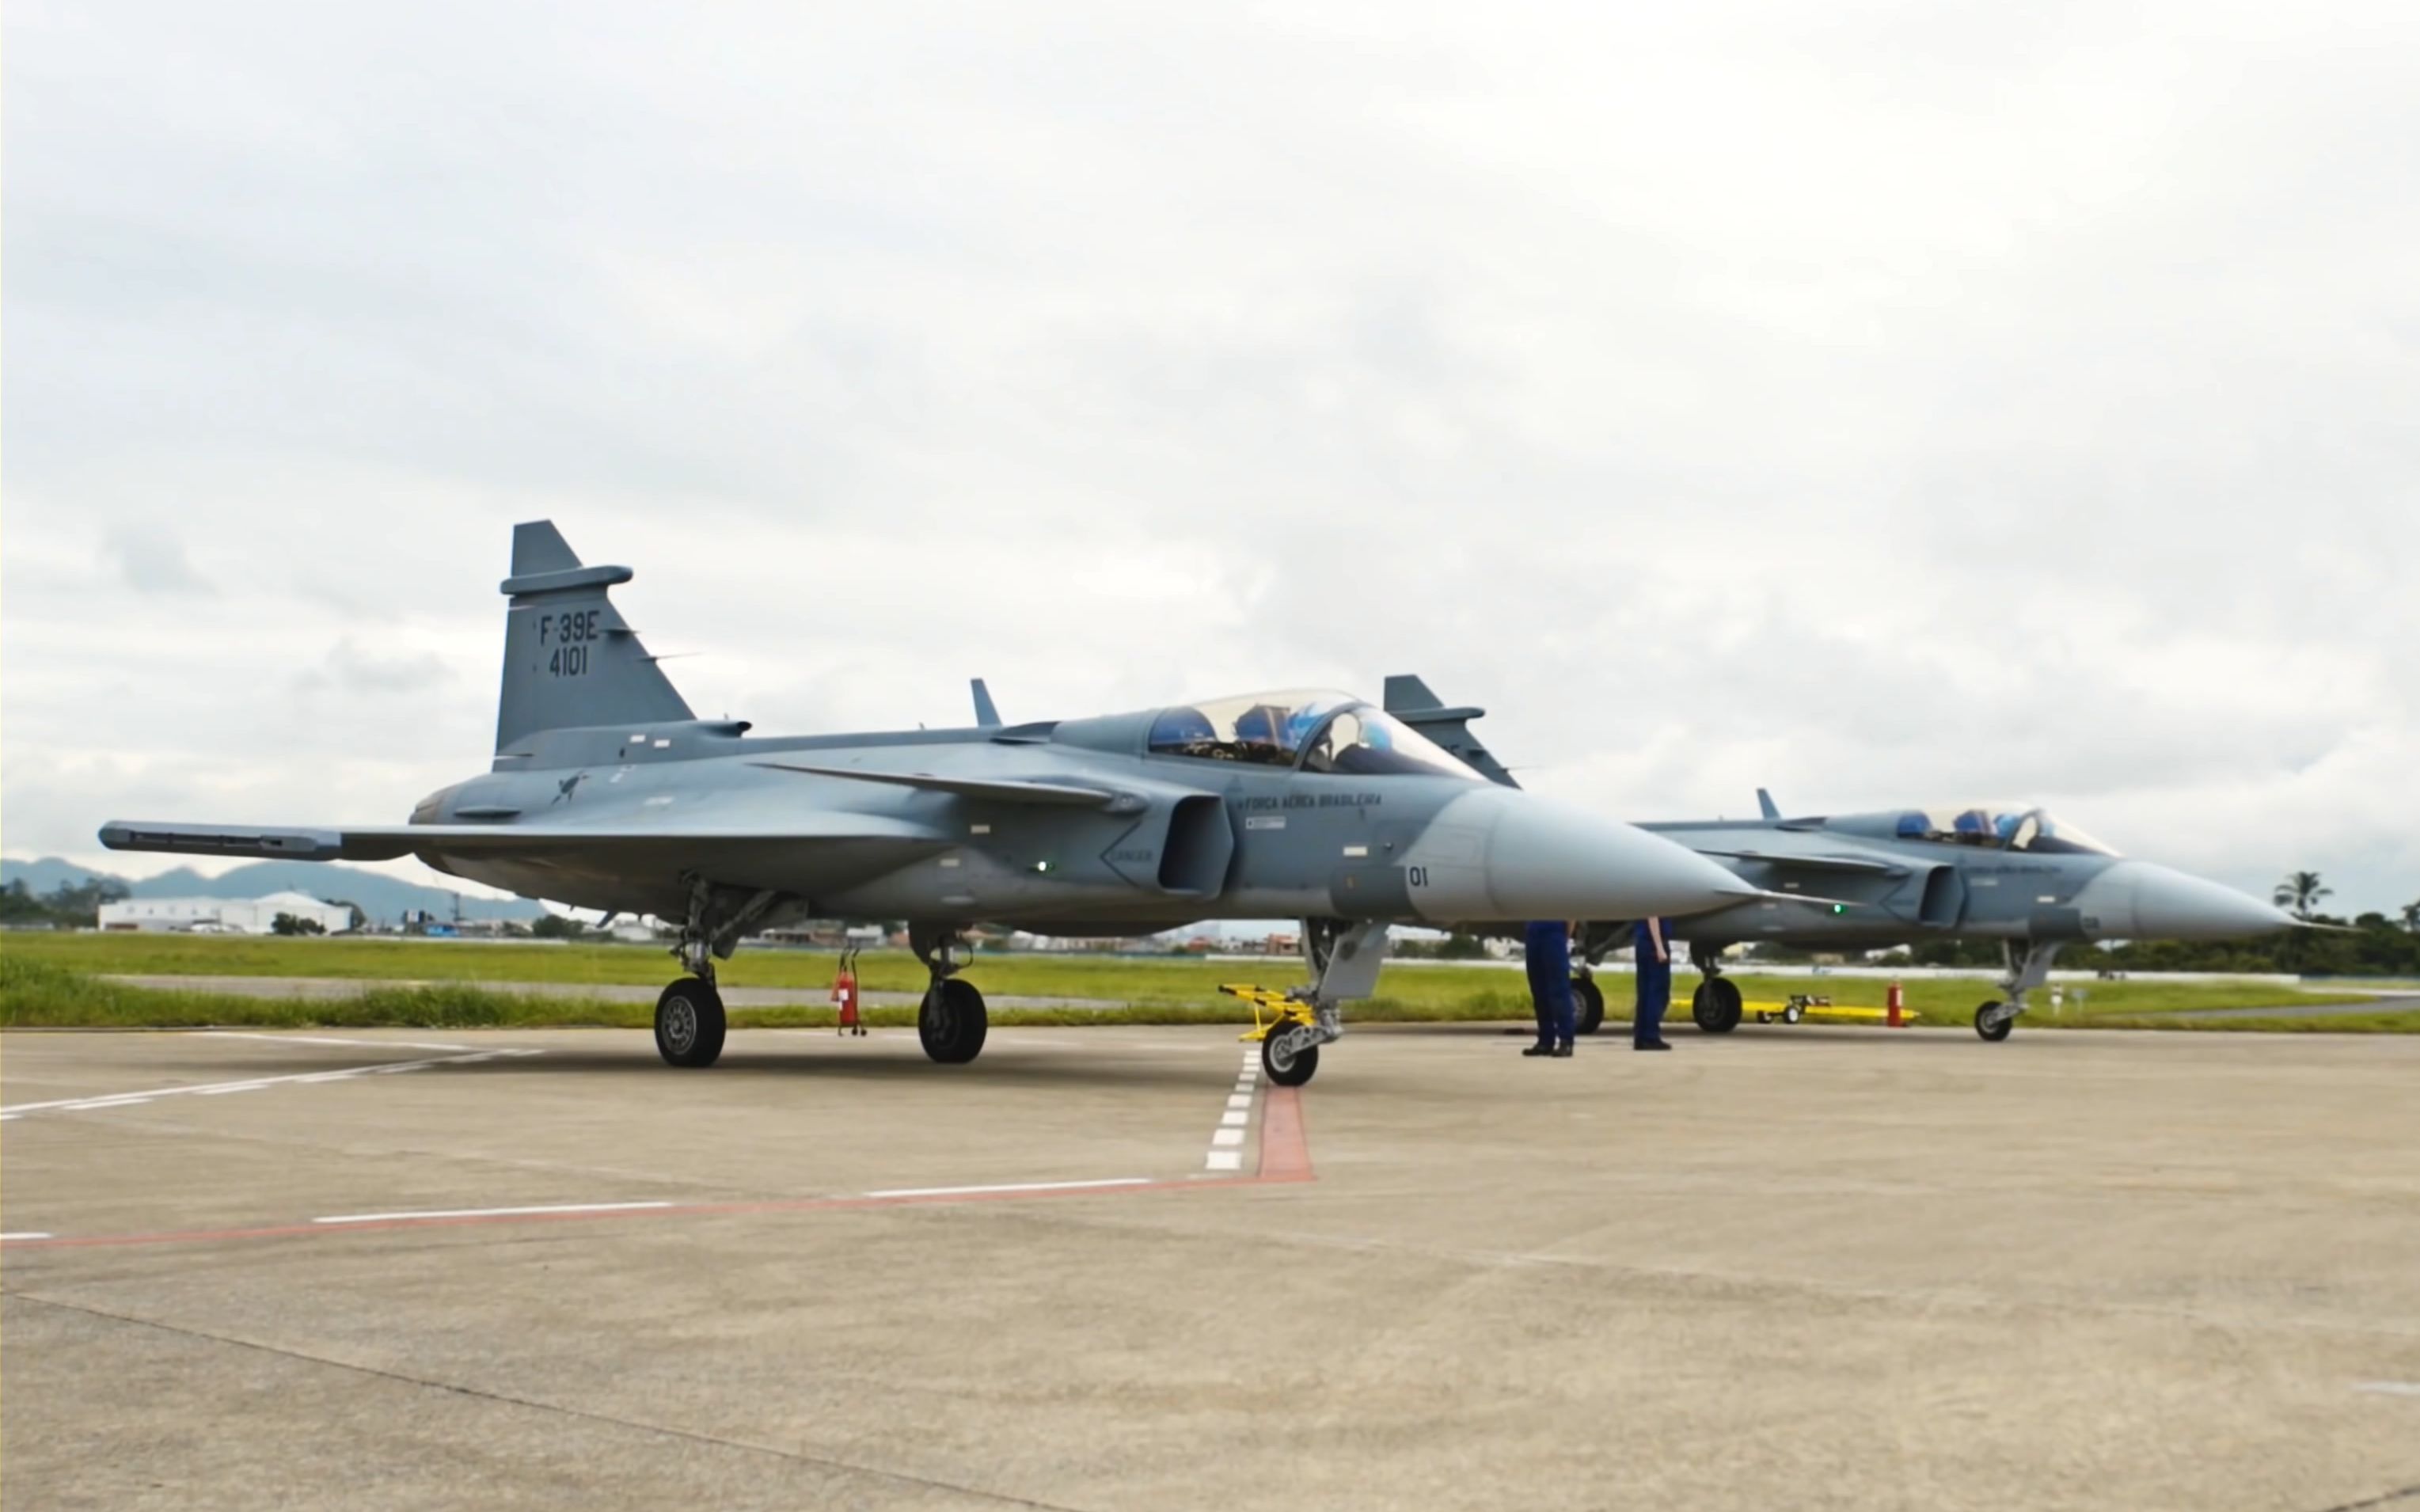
[
  {"x": 1766, "y": 807},
  {"x": 1408, "y": 698},
  {"x": 570, "y": 659},
  {"x": 986, "y": 712}
]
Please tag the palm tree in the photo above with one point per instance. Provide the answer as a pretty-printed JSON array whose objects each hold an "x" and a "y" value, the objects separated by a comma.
[
  {"x": 2302, "y": 893},
  {"x": 2412, "y": 917}
]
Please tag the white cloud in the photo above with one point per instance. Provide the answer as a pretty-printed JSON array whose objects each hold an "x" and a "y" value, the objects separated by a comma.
[{"x": 1878, "y": 406}]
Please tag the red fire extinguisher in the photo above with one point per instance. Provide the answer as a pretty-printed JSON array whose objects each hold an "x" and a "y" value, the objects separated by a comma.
[
  {"x": 845, "y": 993},
  {"x": 1898, "y": 1001}
]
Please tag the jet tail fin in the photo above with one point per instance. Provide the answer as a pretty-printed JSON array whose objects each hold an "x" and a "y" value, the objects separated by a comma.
[
  {"x": 1765, "y": 805},
  {"x": 1408, "y": 698},
  {"x": 570, "y": 660},
  {"x": 986, "y": 712}
]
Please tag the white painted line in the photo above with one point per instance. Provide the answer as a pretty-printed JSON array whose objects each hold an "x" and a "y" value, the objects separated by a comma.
[
  {"x": 327, "y": 1040},
  {"x": 1014, "y": 1186},
  {"x": 1225, "y": 1161},
  {"x": 1234, "y": 1118},
  {"x": 1241, "y": 1099},
  {"x": 129, "y": 1099},
  {"x": 245, "y": 1033},
  {"x": 2384, "y": 1388},
  {"x": 1226, "y": 1136},
  {"x": 494, "y": 1212},
  {"x": 29, "y": 1235}
]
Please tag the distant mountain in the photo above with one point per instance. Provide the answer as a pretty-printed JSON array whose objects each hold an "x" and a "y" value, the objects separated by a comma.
[{"x": 384, "y": 899}]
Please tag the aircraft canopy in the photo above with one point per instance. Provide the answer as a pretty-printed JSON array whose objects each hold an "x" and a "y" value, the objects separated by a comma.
[
  {"x": 1315, "y": 729},
  {"x": 1997, "y": 827}
]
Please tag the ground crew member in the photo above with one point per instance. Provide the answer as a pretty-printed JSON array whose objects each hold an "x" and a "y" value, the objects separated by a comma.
[
  {"x": 1652, "y": 942},
  {"x": 1546, "y": 946}
]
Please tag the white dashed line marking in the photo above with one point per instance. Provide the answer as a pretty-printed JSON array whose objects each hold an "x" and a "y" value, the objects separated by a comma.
[
  {"x": 2391, "y": 1388},
  {"x": 211, "y": 1089},
  {"x": 494, "y": 1212},
  {"x": 1011, "y": 1186},
  {"x": 4, "y": 1238},
  {"x": 1224, "y": 1153}
]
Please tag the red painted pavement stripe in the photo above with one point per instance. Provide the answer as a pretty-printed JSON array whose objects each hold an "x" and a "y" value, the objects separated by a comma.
[{"x": 1285, "y": 1153}]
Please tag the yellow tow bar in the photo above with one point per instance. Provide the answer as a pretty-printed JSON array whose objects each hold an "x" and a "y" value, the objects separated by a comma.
[{"x": 1270, "y": 1008}]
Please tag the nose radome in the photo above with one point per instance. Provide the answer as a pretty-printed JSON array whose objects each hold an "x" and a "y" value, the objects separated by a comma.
[
  {"x": 2173, "y": 905},
  {"x": 1547, "y": 860},
  {"x": 2142, "y": 900}
]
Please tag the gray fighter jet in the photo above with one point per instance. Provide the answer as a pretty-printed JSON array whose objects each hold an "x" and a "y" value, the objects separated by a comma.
[
  {"x": 2007, "y": 872},
  {"x": 607, "y": 792}
]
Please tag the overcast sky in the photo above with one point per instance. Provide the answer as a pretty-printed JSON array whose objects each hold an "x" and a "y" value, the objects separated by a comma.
[{"x": 1881, "y": 403}]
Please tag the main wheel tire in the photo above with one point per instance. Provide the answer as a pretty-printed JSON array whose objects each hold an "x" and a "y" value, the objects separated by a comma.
[
  {"x": 1993, "y": 1032},
  {"x": 1588, "y": 1002},
  {"x": 689, "y": 1023},
  {"x": 1715, "y": 1006},
  {"x": 1287, "y": 1068},
  {"x": 953, "y": 1023},
  {"x": 1792, "y": 1014}
]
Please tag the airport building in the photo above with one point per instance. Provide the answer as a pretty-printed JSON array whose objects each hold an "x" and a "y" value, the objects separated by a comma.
[{"x": 222, "y": 916}]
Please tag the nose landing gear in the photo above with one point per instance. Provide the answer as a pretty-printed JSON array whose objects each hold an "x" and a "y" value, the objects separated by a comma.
[
  {"x": 2028, "y": 968},
  {"x": 1344, "y": 957},
  {"x": 1588, "y": 1003},
  {"x": 1715, "y": 1007}
]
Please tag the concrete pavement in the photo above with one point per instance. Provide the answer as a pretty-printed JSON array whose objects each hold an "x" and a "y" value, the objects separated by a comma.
[{"x": 1826, "y": 1268}]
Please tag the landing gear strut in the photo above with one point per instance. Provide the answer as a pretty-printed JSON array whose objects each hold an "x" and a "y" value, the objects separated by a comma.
[
  {"x": 689, "y": 1022},
  {"x": 952, "y": 1021},
  {"x": 1715, "y": 1005},
  {"x": 2028, "y": 968},
  {"x": 1343, "y": 957}
]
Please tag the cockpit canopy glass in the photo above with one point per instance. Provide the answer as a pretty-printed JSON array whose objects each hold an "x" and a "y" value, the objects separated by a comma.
[
  {"x": 1314, "y": 730},
  {"x": 1999, "y": 827}
]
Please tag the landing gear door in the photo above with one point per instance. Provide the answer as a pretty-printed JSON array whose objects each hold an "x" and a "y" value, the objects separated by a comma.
[{"x": 1944, "y": 902}]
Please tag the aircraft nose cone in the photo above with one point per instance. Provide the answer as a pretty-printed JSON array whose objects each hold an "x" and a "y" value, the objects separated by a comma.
[
  {"x": 1547, "y": 860},
  {"x": 2138, "y": 899}
]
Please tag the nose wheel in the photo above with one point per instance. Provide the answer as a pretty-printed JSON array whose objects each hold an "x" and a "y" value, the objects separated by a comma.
[
  {"x": 1715, "y": 1006},
  {"x": 689, "y": 1022},
  {"x": 1588, "y": 1003},
  {"x": 1288, "y": 1061},
  {"x": 1993, "y": 1021}
]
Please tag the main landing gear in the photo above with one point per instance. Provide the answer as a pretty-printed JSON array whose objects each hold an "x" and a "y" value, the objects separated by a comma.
[
  {"x": 2028, "y": 968},
  {"x": 690, "y": 1021},
  {"x": 1715, "y": 1007},
  {"x": 952, "y": 1021},
  {"x": 1344, "y": 959}
]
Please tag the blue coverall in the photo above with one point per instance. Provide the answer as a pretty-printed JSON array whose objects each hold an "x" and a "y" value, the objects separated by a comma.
[
  {"x": 1654, "y": 981},
  {"x": 1547, "y": 944}
]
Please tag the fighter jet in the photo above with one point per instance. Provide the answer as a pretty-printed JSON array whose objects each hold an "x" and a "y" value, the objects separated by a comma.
[
  {"x": 2010, "y": 872},
  {"x": 607, "y": 792}
]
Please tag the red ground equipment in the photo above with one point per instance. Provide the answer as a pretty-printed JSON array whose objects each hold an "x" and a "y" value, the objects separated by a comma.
[
  {"x": 844, "y": 994},
  {"x": 1897, "y": 1002}
]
